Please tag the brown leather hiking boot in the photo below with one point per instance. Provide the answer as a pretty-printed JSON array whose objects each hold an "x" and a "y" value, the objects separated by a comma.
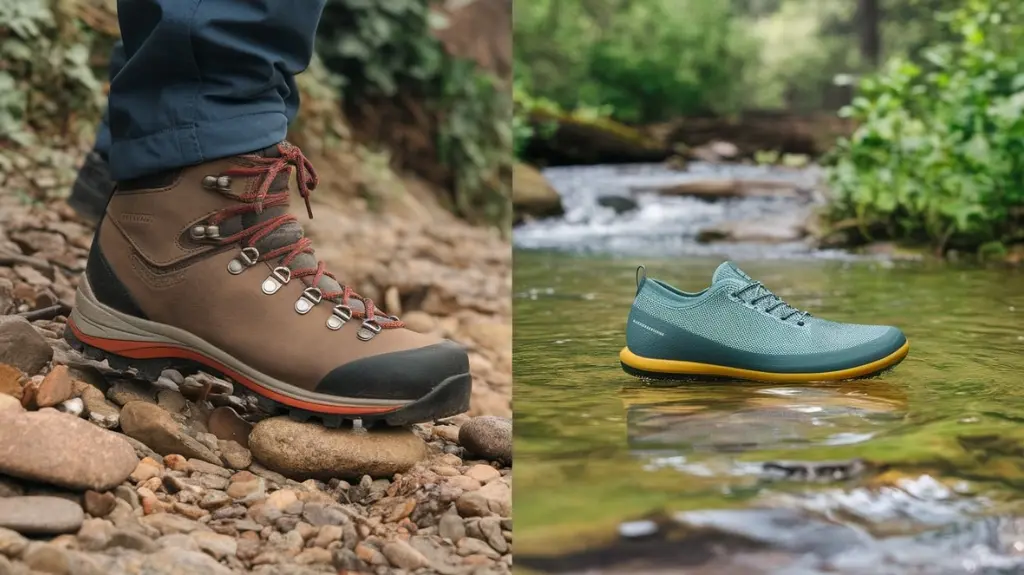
[{"x": 205, "y": 268}]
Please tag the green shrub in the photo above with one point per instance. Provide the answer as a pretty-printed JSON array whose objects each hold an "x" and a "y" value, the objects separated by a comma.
[
  {"x": 939, "y": 152},
  {"x": 384, "y": 47}
]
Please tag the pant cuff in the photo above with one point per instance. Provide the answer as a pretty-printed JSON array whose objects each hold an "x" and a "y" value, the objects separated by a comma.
[{"x": 195, "y": 144}]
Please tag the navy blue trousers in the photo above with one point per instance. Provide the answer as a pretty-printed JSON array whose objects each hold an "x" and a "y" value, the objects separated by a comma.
[{"x": 197, "y": 80}]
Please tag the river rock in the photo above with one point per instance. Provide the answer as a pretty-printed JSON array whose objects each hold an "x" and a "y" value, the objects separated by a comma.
[
  {"x": 153, "y": 426},
  {"x": 9, "y": 403},
  {"x": 12, "y": 380},
  {"x": 532, "y": 195},
  {"x": 21, "y": 345},
  {"x": 227, "y": 425},
  {"x": 40, "y": 515},
  {"x": 308, "y": 451},
  {"x": 12, "y": 543},
  {"x": 100, "y": 411},
  {"x": 173, "y": 561},
  {"x": 772, "y": 230},
  {"x": 621, "y": 204},
  {"x": 60, "y": 449},
  {"x": 55, "y": 388},
  {"x": 404, "y": 556},
  {"x": 488, "y": 437}
]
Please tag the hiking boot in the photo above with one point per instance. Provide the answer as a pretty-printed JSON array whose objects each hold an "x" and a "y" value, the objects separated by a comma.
[
  {"x": 204, "y": 268},
  {"x": 92, "y": 188},
  {"x": 738, "y": 329}
]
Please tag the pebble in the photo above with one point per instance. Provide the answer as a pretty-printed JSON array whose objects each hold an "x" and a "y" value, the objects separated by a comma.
[
  {"x": 21, "y": 345},
  {"x": 483, "y": 473},
  {"x": 55, "y": 388},
  {"x": 234, "y": 455},
  {"x": 98, "y": 504},
  {"x": 10, "y": 403},
  {"x": 145, "y": 470},
  {"x": 12, "y": 543},
  {"x": 404, "y": 556},
  {"x": 63, "y": 450},
  {"x": 451, "y": 526},
  {"x": 488, "y": 437},
  {"x": 40, "y": 514},
  {"x": 122, "y": 392},
  {"x": 306, "y": 450},
  {"x": 153, "y": 426},
  {"x": 227, "y": 425},
  {"x": 217, "y": 545},
  {"x": 12, "y": 380},
  {"x": 47, "y": 558},
  {"x": 98, "y": 410}
]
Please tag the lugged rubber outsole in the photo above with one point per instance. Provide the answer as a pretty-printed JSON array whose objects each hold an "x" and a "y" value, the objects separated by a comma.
[
  {"x": 450, "y": 397},
  {"x": 664, "y": 369}
]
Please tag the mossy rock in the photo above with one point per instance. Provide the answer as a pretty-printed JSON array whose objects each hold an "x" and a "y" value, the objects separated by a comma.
[{"x": 567, "y": 139}]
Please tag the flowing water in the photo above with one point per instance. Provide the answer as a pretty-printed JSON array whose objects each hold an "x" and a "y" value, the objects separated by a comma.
[{"x": 919, "y": 471}]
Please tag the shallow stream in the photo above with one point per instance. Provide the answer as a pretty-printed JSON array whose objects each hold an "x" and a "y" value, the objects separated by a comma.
[{"x": 919, "y": 471}]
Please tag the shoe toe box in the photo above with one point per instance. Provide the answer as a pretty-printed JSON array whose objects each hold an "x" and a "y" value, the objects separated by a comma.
[{"x": 408, "y": 374}]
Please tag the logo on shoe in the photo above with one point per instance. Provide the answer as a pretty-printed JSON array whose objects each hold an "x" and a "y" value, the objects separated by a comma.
[
  {"x": 648, "y": 328},
  {"x": 130, "y": 218}
]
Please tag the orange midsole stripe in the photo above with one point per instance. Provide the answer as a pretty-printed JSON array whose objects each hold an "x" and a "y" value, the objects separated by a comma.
[{"x": 152, "y": 350}]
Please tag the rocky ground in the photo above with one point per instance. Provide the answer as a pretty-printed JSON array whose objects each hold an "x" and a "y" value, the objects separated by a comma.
[{"x": 100, "y": 474}]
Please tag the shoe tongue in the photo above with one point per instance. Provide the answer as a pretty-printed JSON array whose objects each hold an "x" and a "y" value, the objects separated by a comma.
[
  {"x": 728, "y": 270},
  {"x": 290, "y": 233}
]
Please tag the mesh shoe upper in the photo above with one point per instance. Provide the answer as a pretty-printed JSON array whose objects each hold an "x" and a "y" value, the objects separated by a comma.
[{"x": 738, "y": 323}]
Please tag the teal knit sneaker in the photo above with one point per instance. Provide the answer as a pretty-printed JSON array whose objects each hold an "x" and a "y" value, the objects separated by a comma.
[{"x": 738, "y": 329}]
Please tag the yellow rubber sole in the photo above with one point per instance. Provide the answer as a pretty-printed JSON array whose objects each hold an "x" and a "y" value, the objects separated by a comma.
[{"x": 668, "y": 367}]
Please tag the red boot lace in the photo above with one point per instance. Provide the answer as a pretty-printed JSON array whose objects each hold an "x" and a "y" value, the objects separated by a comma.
[{"x": 261, "y": 198}]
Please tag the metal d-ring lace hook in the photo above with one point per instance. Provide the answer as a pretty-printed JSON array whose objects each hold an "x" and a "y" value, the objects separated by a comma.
[
  {"x": 244, "y": 260},
  {"x": 280, "y": 276},
  {"x": 369, "y": 329},
  {"x": 309, "y": 298},
  {"x": 339, "y": 316}
]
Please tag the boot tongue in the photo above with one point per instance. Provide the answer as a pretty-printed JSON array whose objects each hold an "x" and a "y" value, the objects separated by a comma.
[
  {"x": 728, "y": 270},
  {"x": 288, "y": 234}
]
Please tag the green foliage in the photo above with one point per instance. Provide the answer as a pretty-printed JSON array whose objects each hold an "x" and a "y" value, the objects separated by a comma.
[
  {"x": 647, "y": 61},
  {"x": 45, "y": 78},
  {"x": 476, "y": 140},
  {"x": 939, "y": 153},
  {"x": 379, "y": 45},
  {"x": 384, "y": 47}
]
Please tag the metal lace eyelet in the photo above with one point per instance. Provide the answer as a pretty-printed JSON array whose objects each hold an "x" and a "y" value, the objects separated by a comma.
[
  {"x": 369, "y": 329},
  {"x": 310, "y": 297},
  {"x": 224, "y": 183},
  {"x": 339, "y": 316},
  {"x": 210, "y": 182},
  {"x": 246, "y": 259},
  {"x": 213, "y": 233},
  {"x": 280, "y": 276},
  {"x": 198, "y": 232}
]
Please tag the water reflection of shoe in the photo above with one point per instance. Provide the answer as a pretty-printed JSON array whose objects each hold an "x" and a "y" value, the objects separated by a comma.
[{"x": 738, "y": 329}]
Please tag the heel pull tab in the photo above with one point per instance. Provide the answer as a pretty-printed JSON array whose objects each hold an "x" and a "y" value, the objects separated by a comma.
[{"x": 641, "y": 276}]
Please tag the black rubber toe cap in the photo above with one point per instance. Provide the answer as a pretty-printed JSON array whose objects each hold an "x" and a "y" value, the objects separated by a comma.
[{"x": 409, "y": 374}]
